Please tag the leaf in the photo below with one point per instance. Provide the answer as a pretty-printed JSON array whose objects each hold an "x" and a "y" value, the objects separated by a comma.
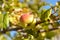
[
  {"x": 1, "y": 1},
  {"x": 40, "y": 37},
  {"x": 49, "y": 35},
  {"x": 55, "y": 24},
  {"x": 24, "y": 5},
  {"x": 46, "y": 15},
  {"x": 45, "y": 26},
  {"x": 5, "y": 20},
  {"x": 41, "y": 12},
  {"x": 1, "y": 20},
  {"x": 33, "y": 6},
  {"x": 31, "y": 37},
  {"x": 58, "y": 3}
]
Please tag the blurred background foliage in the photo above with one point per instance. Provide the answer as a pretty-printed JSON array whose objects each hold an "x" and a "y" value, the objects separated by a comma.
[{"x": 44, "y": 20}]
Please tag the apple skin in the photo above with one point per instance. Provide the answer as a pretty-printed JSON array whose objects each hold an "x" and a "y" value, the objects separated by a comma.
[{"x": 26, "y": 18}]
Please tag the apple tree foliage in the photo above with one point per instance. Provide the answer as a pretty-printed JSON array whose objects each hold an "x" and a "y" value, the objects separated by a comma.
[{"x": 29, "y": 19}]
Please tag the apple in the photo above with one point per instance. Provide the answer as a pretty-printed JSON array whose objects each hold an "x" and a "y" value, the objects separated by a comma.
[{"x": 26, "y": 18}]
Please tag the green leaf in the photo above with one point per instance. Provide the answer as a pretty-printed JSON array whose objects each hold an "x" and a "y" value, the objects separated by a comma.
[
  {"x": 33, "y": 7},
  {"x": 45, "y": 26},
  {"x": 40, "y": 37},
  {"x": 6, "y": 20},
  {"x": 21, "y": 5},
  {"x": 1, "y": 20},
  {"x": 55, "y": 24},
  {"x": 41, "y": 12},
  {"x": 46, "y": 15},
  {"x": 49, "y": 35}
]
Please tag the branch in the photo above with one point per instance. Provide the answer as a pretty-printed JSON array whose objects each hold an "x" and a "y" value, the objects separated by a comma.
[
  {"x": 10, "y": 29},
  {"x": 21, "y": 30},
  {"x": 49, "y": 30}
]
